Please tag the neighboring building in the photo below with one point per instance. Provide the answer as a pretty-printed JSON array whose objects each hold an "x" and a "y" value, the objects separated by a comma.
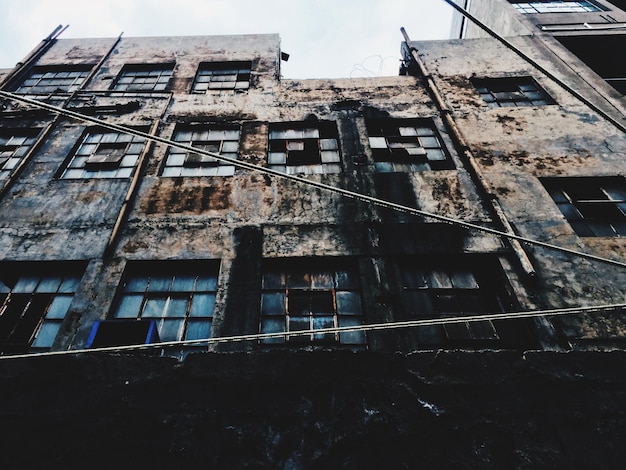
[{"x": 109, "y": 239}]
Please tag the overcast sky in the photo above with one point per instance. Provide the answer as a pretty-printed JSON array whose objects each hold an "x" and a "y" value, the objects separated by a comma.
[{"x": 325, "y": 38}]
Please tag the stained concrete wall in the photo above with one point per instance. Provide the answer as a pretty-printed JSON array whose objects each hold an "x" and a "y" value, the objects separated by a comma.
[
  {"x": 515, "y": 147},
  {"x": 44, "y": 217}
]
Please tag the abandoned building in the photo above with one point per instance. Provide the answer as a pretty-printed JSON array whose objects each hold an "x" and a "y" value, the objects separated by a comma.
[{"x": 203, "y": 262}]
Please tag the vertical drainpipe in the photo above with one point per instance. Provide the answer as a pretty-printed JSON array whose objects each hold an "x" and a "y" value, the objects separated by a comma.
[
  {"x": 133, "y": 188},
  {"x": 46, "y": 130},
  {"x": 474, "y": 171}
]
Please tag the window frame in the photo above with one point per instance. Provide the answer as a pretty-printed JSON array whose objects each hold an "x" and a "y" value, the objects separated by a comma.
[
  {"x": 576, "y": 198},
  {"x": 477, "y": 284},
  {"x": 315, "y": 285},
  {"x": 125, "y": 83},
  {"x": 214, "y": 73},
  {"x": 60, "y": 73},
  {"x": 406, "y": 145},
  {"x": 151, "y": 297},
  {"x": 304, "y": 147},
  {"x": 32, "y": 306},
  {"x": 83, "y": 162},
  {"x": 205, "y": 134},
  {"x": 521, "y": 92},
  {"x": 557, "y": 6},
  {"x": 12, "y": 154}
]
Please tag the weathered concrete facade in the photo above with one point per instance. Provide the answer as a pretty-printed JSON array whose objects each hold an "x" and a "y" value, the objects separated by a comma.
[
  {"x": 246, "y": 220},
  {"x": 311, "y": 210}
]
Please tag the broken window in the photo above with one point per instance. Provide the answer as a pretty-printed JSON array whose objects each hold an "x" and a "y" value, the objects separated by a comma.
[
  {"x": 406, "y": 145},
  {"x": 14, "y": 144},
  {"x": 104, "y": 154},
  {"x": 304, "y": 147},
  {"x": 54, "y": 79},
  {"x": 178, "y": 297},
  {"x": 144, "y": 77},
  {"x": 311, "y": 295},
  {"x": 213, "y": 77},
  {"x": 445, "y": 288},
  {"x": 511, "y": 91},
  {"x": 593, "y": 206},
  {"x": 556, "y": 6},
  {"x": 215, "y": 139},
  {"x": 33, "y": 306}
]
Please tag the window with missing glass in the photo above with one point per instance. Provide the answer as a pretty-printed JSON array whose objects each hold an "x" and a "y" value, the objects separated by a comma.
[
  {"x": 593, "y": 206},
  {"x": 144, "y": 77},
  {"x": 45, "y": 80},
  {"x": 214, "y": 77},
  {"x": 33, "y": 305},
  {"x": 406, "y": 145},
  {"x": 304, "y": 147},
  {"x": 14, "y": 145},
  {"x": 104, "y": 154},
  {"x": 309, "y": 295},
  {"x": 552, "y": 6},
  {"x": 462, "y": 286},
  {"x": 215, "y": 139},
  {"x": 178, "y": 296},
  {"x": 511, "y": 91}
]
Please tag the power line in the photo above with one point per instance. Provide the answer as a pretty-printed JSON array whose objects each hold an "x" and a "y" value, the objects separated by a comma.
[
  {"x": 337, "y": 330},
  {"x": 344, "y": 192}
]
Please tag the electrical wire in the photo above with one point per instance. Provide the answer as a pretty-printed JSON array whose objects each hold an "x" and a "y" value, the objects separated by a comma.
[
  {"x": 344, "y": 192},
  {"x": 336, "y": 330}
]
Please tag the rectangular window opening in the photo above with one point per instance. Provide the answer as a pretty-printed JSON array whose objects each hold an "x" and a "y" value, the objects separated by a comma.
[
  {"x": 309, "y": 295},
  {"x": 511, "y": 91}
]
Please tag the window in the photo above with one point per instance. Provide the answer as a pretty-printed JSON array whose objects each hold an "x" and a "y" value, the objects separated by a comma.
[
  {"x": 556, "y": 6},
  {"x": 224, "y": 141},
  {"x": 303, "y": 147},
  {"x": 514, "y": 91},
  {"x": 450, "y": 288},
  {"x": 406, "y": 145},
  {"x": 144, "y": 77},
  {"x": 54, "y": 79},
  {"x": 179, "y": 297},
  {"x": 217, "y": 76},
  {"x": 104, "y": 154},
  {"x": 32, "y": 308},
  {"x": 593, "y": 206},
  {"x": 14, "y": 144},
  {"x": 311, "y": 295}
]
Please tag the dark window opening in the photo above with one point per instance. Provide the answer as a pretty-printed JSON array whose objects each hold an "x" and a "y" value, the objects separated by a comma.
[
  {"x": 464, "y": 286},
  {"x": 511, "y": 91},
  {"x": 310, "y": 295},
  {"x": 110, "y": 333},
  {"x": 593, "y": 206},
  {"x": 406, "y": 145},
  {"x": 603, "y": 54}
]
